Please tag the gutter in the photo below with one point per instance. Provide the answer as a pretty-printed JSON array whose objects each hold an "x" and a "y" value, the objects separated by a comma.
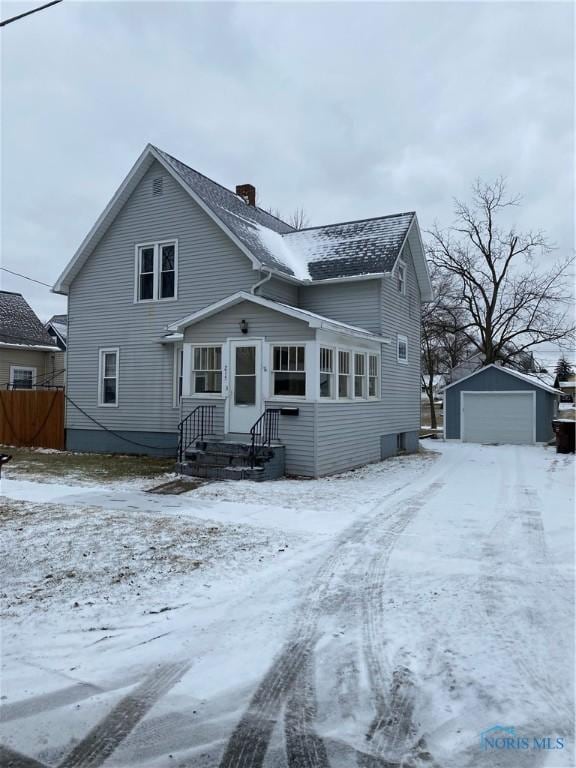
[{"x": 260, "y": 283}]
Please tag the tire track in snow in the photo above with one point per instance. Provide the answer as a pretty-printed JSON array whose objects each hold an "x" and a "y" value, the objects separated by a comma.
[{"x": 304, "y": 748}]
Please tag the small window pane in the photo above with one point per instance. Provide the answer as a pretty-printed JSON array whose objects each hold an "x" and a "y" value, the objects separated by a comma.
[
  {"x": 343, "y": 385},
  {"x": 109, "y": 391},
  {"x": 245, "y": 390},
  {"x": 245, "y": 361},
  {"x": 168, "y": 257},
  {"x": 167, "y": 285},
  {"x": 290, "y": 383},
  {"x": 325, "y": 384},
  {"x": 109, "y": 364},
  {"x": 146, "y": 287},
  {"x": 146, "y": 260}
]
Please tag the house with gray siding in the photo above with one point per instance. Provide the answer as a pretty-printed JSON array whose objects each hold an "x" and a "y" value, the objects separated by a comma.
[{"x": 200, "y": 323}]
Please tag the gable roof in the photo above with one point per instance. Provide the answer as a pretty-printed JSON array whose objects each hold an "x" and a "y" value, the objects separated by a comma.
[
  {"x": 368, "y": 247},
  {"x": 524, "y": 376},
  {"x": 58, "y": 324},
  {"x": 311, "y": 318},
  {"x": 19, "y": 325}
]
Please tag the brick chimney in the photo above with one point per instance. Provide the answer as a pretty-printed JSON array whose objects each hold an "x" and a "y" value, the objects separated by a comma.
[{"x": 247, "y": 192}]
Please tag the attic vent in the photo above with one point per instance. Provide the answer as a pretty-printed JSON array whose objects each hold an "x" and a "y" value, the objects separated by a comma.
[{"x": 158, "y": 186}]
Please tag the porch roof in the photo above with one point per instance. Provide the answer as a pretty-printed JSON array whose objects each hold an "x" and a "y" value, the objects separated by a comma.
[{"x": 311, "y": 318}]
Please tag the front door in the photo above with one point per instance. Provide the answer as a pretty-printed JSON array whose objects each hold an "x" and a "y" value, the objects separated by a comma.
[{"x": 245, "y": 402}]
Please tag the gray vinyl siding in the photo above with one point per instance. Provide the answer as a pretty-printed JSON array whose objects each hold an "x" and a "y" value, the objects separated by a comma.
[
  {"x": 297, "y": 433},
  {"x": 279, "y": 290},
  {"x": 348, "y": 435},
  {"x": 401, "y": 381},
  {"x": 493, "y": 380},
  {"x": 262, "y": 323},
  {"x": 356, "y": 303},
  {"x": 102, "y": 312}
]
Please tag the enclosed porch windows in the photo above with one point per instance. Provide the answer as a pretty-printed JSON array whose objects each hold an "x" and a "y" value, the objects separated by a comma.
[
  {"x": 207, "y": 370},
  {"x": 289, "y": 371}
]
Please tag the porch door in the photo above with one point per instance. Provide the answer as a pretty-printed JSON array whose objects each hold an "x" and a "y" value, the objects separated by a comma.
[{"x": 245, "y": 402}]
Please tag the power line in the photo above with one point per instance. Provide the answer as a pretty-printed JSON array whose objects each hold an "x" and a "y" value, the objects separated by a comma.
[
  {"x": 4, "y": 269},
  {"x": 28, "y": 13}
]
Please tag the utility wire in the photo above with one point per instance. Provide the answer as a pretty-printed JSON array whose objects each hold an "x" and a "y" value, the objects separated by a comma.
[
  {"x": 28, "y": 13},
  {"x": 5, "y": 269}
]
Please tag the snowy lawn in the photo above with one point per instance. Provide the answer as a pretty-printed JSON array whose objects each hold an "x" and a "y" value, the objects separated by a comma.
[{"x": 384, "y": 617}]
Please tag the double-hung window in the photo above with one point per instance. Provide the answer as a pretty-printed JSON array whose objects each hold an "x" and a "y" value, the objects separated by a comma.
[
  {"x": 156, "y": 271},
  {"x": 359, "y": 375},
  {"x": 108, "y": 377},
  {"x": 289, "y": 371},
  {"x": 207, "y": 370},
  {"x": 343, "y": 373},
  {"x": 22, "y": 378},
  {"x": 372, "y": 375},
  {"x": 401, "y": 277},
  {"x": 326, "y": 372},
  {"x": 402, "y": 349}
]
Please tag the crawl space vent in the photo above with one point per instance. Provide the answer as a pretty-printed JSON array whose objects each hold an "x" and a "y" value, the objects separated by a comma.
[{"x": 158, "y": 186}]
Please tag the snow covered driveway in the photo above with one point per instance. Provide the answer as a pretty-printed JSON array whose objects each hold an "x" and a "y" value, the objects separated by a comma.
[{"x": 386, "y": 617}]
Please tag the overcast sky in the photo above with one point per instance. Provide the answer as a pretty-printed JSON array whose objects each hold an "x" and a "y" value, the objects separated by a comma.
[{"x": 349, "y": 110}]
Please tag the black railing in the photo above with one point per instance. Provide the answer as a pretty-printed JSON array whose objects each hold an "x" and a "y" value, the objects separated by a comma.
[
  {"x": 198, "y": 423},
  {"x": 264, "y": 431}
]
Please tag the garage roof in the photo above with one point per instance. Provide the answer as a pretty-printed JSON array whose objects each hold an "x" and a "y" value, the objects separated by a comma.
[{"x": 524, "y": 376}]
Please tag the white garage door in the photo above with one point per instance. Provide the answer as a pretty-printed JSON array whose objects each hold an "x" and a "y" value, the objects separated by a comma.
[{"x": 497, "y": 417}]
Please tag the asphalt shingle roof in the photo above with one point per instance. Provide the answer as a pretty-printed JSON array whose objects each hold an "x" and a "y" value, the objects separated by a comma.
[
  {"x": 317, "y": 253},
  {"x": 19, "y": 324}
]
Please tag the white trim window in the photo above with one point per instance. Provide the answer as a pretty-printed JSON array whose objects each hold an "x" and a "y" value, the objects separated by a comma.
[
  {"x": 326, "y": 372},
  {"x": 207, "y": 370},
  {"x": 401, "y": 277},
  {"x": 373, "y": 366},
  {"x": 156, "y": 271},
  {"x": 22, "y": 377},
  {"x": 402, "y": 348},
  {"x": 108, "y": 375},
  {"x": 359, "y": 375},
  {"x": 289, "y": 371},
  {"x": 343, "y": 374}
]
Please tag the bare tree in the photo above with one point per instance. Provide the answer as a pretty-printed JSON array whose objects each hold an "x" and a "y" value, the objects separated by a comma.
[
  {"x": 443, "y": 344},
  {"x": 298, "y": 219},
  {"x": 509, "y": 305}
]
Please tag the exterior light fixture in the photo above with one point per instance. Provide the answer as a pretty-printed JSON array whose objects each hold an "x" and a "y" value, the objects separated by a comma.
[{"x": 243, "y": 326}]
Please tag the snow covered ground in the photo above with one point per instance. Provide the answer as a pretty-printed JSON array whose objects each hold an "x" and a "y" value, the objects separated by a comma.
[{"x": 385, "y": 617}]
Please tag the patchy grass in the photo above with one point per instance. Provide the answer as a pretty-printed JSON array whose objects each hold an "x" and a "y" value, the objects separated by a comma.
[{"x": 52, "y": 466}]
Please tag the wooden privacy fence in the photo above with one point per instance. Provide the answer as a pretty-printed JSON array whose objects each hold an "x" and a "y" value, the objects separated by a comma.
[{"x": 32, "y": 417}]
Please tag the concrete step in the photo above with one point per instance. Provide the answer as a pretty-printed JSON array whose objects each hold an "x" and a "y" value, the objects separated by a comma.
[
  {"x": 219, "y": 472},
  {"x": 223, "y": 459}
]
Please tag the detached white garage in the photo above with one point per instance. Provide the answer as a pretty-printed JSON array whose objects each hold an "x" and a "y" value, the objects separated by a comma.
[{"x": 499, "y": 405}]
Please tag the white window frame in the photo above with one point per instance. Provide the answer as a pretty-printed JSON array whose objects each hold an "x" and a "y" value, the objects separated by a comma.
[
  {"x": 14, "y": 368},
  {"x": 349, "y": 375},
  {"x": 305, "y": 371},
  {"x": 156, "y": 273},
  {"x": 401, "y": 277},
  {"x": 333, "y": 377},
  {"x": 189, "y": 387},
  {"x": 363, "y": 376},
  {"x": 401, "y": 338},
  {"x": 101, "y": 352},
  {"x": 376, "y": 356},
  {"x": 178, "y": 393}
]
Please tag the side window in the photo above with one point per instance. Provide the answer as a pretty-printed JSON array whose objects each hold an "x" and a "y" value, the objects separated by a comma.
[
  {"x": 373, "y": 376},
  {"x": 289, "y": 371},
  {"x": 326, "y": 372},
  {"x": 343, "y": 374},
  {"x": 207, "y": 370},
  {"x": 401, "y": 277},
  {"x": 156, "y": 271},
  {"x": 402, "y": 349},
  {"x": 21, "y": 377},
  {"x": 359, "y": 375},
  {"x": 108, "y": 377}
]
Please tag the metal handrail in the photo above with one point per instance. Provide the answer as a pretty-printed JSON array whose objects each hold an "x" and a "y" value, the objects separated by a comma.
[
  {"x": 198, "y": 423},
  {"x": 264, "y": 431}
]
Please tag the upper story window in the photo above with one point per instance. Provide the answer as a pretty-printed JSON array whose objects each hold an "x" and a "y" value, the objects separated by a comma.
[
  {"x": 289, "y": 371},
  {"x": 108, "y": 377},
  {"x": 401, "y": 277},
  {"x": 156, "y": 271},
  {"x": 326, "y": 372},
  {"x": 402, "y": 349}
]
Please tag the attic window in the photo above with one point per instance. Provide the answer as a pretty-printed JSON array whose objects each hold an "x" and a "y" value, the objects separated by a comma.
[{"x": 158, "y": 186}]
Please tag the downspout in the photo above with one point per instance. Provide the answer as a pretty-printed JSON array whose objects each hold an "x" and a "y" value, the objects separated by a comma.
[{"x": 260, "y": 282}]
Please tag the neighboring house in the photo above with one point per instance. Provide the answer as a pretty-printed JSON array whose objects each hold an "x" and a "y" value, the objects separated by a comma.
[
  {"x": 28, "y": 354},
  {"x": 567, "y": 387},
  {"x": 185, "y": 294},
  {"x": 500, "y": 405},
  {"x": 57, "y": 328}
]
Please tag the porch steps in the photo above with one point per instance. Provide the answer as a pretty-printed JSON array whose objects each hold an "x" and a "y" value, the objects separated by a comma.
[{"x": 230, "y": 460}]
